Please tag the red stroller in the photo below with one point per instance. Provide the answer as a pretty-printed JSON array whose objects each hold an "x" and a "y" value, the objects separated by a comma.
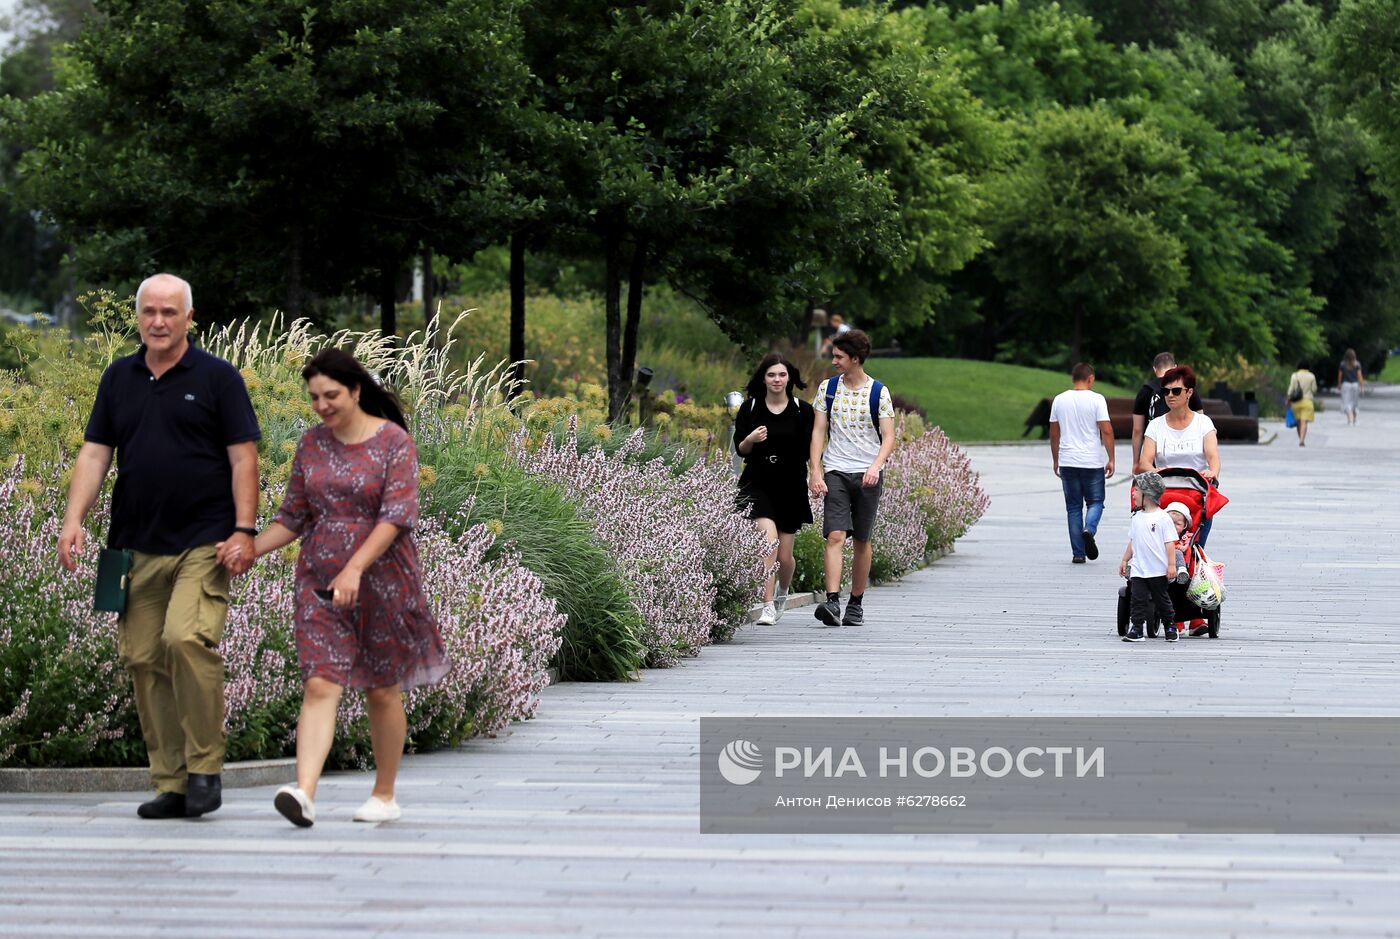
[{"x": 1203, "y": 499}]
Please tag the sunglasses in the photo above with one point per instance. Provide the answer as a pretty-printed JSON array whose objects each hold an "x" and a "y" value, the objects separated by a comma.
[{"x": 1174, "y": 391}]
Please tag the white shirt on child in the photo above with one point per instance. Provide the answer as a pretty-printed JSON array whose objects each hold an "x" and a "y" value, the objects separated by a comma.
[{"x": 1151, "y": 533}]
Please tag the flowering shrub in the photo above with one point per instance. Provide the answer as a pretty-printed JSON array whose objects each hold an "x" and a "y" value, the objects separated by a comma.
[
  {"x": 655, "y": 525},
  {"x": 500, "y": 630},
  {"x": 734, "y": 550},
  {"x": 936, "y": 475},
  {"x": 64, "y": 697}
]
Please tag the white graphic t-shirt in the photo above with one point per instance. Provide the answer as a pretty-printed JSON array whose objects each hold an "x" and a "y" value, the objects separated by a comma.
[
  {"x": 1185, "y": 447},
  {"x": 854, "y": 443},
  {"x": 1151, "y": 531}
]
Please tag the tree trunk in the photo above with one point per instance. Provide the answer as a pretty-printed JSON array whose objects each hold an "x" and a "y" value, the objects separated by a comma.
[
  {"x": 635, "y": 276},
  {"x": 612, "y": 266},
  {"x": 388, "y": 295},
  {"x": 295, "y": 302},
  {"x": 429, "y": 301},
  {"x": 517, "y": 311}
]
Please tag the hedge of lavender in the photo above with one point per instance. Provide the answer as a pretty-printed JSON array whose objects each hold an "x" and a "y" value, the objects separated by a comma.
[
  {"x": 72, "y": 698},
  {"x": 684, "y": 565},
  {"x": 693, "y": 563}
]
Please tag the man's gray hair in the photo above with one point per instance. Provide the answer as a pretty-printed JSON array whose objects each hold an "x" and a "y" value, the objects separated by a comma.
[
  {"x": 184, "y": 284},
  {"x": 1164, "y": 360}
]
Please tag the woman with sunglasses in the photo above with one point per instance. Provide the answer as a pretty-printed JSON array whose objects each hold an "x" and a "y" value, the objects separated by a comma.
[{"x": 1182, "y": 437}]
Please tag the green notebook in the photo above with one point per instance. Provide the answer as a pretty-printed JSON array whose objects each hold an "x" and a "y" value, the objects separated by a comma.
[{"x": 113, "y": 578}]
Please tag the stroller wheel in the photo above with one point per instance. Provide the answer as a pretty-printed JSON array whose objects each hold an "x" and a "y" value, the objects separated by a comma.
[
  {"x": 1122, "y": 611},
  {"x": 1213, "y": 624}
]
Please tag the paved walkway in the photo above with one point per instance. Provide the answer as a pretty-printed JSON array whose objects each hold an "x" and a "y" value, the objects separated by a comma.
[{"x": 583, "y": 821}]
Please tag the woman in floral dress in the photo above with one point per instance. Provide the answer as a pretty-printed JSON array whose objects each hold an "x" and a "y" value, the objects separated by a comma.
[{"x": 362, "y": 620}]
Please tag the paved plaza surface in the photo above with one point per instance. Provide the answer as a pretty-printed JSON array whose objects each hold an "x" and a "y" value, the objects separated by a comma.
[{"x": 583, "y": 821}]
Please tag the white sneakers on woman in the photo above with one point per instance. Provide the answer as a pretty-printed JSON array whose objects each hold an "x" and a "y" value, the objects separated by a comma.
[
  {"x": 376, "y": 809},
  {"x": 769, "y": 616},
  {"x": 296, "y": 806}
]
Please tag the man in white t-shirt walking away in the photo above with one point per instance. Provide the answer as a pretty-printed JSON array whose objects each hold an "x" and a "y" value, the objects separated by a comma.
[
  {"x": 855, "y": 427},
  {"x": 1081, "y": 451}
]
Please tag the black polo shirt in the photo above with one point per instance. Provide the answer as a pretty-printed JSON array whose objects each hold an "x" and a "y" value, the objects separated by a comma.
[{"x": 174, "y": 481}]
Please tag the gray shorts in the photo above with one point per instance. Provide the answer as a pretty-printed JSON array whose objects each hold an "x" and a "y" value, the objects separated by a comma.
[{"x": 850, "y": 506}]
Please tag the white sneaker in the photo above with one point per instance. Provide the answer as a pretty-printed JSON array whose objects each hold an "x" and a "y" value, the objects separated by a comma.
[
  {"x": 780, "y": 600},
  {"x": 377, "y": 810},
  {"x": 296, "y": 806},
  {"x": 769, "y": 616}
]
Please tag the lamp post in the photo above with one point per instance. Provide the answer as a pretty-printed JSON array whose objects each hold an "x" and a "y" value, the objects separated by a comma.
[{"x": 733, "y": 401}]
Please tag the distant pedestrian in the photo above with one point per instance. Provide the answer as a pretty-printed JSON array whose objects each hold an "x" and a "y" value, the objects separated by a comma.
[
  {"x": 1081, "y": 454},
  {"x": 185, "y": 504},
  {"x": 1352, "y": 382},
  {"x": 1302, "y": 388},
  {"x": 362, "y": 620},
  {"x": 1151, "y": 404},
  {"x": 836, "y": 325},
  {"x": 852, "y": 439},
  {"x": 1151, "y": 558},
  {"x": 773, "y": 433}
]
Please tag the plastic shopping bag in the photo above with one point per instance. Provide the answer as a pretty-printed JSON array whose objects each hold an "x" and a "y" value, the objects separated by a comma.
[
  {"x": 1206, "y": 588},
  {"x": 1289, "y": 420}
]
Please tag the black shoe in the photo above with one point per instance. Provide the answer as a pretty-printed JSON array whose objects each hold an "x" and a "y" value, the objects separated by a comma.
[
  {"x": 855, "y": 615},
  {"x": 203, "y": 794},
  {"x": 1171, "y": 634},
  {"x": 829, "y": 613},
  {"x": 165, "y": 805},
  {"x": 1077, "y": 559},
  {"x": 1134, "y": 635},
  {"x": 1090, "y": 548}
]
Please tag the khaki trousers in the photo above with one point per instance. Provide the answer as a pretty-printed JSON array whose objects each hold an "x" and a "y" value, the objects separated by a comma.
[{"x": 168, "y": 639}]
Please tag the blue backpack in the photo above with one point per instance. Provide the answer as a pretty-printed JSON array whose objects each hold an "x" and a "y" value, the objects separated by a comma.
[{"x": 875, "y": 389}]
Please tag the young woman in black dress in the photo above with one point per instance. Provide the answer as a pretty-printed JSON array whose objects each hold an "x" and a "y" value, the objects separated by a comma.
[{"x": 772, "y": 432}]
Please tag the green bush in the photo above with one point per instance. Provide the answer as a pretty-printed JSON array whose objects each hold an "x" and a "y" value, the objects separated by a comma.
[{"x": 476, "y": 484}]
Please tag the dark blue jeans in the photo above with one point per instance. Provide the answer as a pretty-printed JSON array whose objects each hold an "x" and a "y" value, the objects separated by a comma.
[{"x": 1083, "y": 503}]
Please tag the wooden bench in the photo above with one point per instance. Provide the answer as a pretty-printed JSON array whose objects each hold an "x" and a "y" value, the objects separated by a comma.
[{"x": 1230, "y": 427}]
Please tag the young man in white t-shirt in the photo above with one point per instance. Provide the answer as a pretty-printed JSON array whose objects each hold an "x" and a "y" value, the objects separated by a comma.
[
  {"x": 1081, "y": 452},
  {"x": 1151, "y": 557},
  {"x": 846, "y": 470}
]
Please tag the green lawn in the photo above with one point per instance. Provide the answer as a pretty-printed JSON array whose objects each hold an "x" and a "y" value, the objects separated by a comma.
[
  {"x": 976, "y": 401},
  {"x": 1391, "y": 373}
]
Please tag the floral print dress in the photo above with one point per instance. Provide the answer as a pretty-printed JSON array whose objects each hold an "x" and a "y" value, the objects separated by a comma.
[{"x": 337, "y": 493}]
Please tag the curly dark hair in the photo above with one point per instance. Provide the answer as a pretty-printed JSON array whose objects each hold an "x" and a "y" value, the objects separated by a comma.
[{"x": 756, "y": 387}]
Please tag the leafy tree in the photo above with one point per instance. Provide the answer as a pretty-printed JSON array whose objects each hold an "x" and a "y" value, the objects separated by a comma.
[
  {"x": 702, "y": 159},
  {"x": 273, "y": 150},
  {"x": 935, "y": 143},
  {"x": 1087, "y": 262}
]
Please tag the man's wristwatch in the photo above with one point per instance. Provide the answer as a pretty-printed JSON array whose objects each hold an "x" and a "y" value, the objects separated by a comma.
[{"x": 246, "y": 530}]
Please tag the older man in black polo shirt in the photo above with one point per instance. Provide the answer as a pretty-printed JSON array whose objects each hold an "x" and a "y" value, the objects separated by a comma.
[{"x": 185, "y": 438}]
